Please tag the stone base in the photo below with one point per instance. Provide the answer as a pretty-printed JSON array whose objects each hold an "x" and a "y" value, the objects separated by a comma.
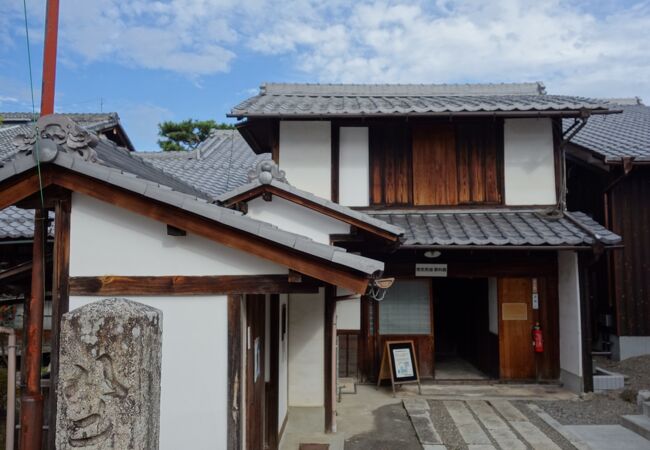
[
  {"x": 624, "y": 347},
  {"x": 571, "y": 381}
]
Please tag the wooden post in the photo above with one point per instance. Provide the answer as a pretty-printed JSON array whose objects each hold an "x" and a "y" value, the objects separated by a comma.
[
  {"x": 49, "y": 57},
  {"x": 60, "y": 300},
  {"x": 234, "y": 371},
  {"x": 329, "y": 363},
  {"x": 31, "y": 400}
]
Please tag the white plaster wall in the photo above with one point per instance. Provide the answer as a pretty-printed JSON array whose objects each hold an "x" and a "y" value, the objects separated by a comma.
[
  {"x": 354, "y": 166},
  {"x": 569, "y": 302},
  {"x": 493, "y": 306},
  {"x": 306, "y": 349},
  {"x": 348, "y": 314},
  {"x": 108, "y": 240},
  {"x": 283, "y": 372},
  {"x": 193, "y": 397},
  {"x": 295, "y": 218},
  {"x": 529, "y": 165},
  {"x": 306, "y": 155}
]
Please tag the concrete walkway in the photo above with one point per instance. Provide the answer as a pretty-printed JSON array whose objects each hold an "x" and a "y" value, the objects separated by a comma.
[{"x": 608, "y": 437}]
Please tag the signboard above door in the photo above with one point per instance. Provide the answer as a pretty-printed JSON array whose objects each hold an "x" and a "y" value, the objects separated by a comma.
[{"x": 431, "y": 270}]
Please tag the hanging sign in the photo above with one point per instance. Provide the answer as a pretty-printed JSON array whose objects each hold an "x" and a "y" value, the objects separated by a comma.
[
  {"x": 398, "y": 364},
  {"x": 431, "y": 270}
]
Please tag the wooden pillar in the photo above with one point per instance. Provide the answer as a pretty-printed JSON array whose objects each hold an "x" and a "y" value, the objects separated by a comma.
[
  {"x": 60, "y": 300},
  {"x": 234, "y": 372},
  {"x": 31, "y": 400},
  {"x": 330, "y": 363}
]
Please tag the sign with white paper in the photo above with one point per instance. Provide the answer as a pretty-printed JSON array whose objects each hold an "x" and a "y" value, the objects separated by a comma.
[{"x": 403, "y": 363}]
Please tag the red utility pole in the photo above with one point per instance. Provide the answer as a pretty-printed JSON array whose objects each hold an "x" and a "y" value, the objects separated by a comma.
[
  {"x": 49, "y": 57},
  {"x": 31, "y": 400}
]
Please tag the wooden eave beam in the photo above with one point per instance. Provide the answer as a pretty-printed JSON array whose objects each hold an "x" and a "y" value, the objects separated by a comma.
[
  {"x": 22, "y": 186},
  {"x": 188, "y": 285},
  {"x": 209, "y": 229},
  {"x": 264, "y": 189}
]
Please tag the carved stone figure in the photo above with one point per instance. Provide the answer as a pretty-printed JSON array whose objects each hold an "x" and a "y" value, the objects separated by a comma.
[{"x": 109, "y": 376}]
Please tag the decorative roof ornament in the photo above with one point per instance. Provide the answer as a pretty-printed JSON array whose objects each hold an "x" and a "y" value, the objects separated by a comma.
[
  {"x": 266, "y": 171},
  {"x": 65, "y": 133}
]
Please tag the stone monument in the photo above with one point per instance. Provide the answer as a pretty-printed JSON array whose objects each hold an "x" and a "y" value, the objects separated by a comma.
[{"x": 109, "y": 376}]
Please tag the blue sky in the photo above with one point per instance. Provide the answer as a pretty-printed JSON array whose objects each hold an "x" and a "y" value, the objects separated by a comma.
[{"x": 175, "y": 59}]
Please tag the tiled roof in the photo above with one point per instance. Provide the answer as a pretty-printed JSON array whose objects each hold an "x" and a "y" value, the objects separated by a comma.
[
  {"x": 16, "y": 223},
  {"x": 72, "y": 159},
  {"x": 497, "y": 228},
  {"x": 313, "y": 100},
  {"x": 7, "y": 135},
  {"x": 617, "y": 136},
  {"x": 92, "y": 121},
  {"x": 220, "y": 163},
  {"x": 259, "y": 179}
]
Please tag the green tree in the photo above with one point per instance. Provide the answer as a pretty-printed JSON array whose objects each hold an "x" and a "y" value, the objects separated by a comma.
[{"x": 186, "y": 134}]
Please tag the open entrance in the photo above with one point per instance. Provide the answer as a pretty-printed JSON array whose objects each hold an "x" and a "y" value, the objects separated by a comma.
[{"x": 466, "y": 346}]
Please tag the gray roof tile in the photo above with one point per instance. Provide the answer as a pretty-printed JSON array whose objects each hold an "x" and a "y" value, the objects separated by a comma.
[
  {"x": 617, "y": 136},
  {"x": 16, "y": 223},
  {"x": 333, "y": 206},
  {"x": 220, "y": 163},
  {"x": 182, "y": 199},
  {"x": 496, "y": 228},
  {"x": 305, "y": 100}
]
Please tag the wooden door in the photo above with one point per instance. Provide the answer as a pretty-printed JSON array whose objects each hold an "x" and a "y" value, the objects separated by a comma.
[
  {"x": 516, "y": 355},
  {"x": 255, "y": 392}
]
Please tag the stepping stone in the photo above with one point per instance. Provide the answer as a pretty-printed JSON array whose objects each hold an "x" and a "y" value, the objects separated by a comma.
[
  {"x": 499, "y": 430},
  {"x": 607, "y": 437},
  {"x": 418, "y": 412},
  {"x": 468, "y": 428},
  {"x": 562, "y": 429},
  {"x": 531, "y": 434}
]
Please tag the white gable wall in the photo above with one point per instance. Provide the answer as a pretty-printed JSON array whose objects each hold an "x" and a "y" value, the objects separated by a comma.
[
  {"x": 354, "y": 166},
  {"x": 306, "y": 155},
  {"x": 529, "y": 163},
  {"x": 107, "y": 240},
  {"x": 295, "y": 218}
]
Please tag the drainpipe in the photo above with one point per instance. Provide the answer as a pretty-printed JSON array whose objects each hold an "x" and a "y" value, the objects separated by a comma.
[{"x": 11, "y": 388}]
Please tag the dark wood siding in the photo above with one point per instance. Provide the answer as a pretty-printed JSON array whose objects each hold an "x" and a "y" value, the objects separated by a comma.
[
  {"x": 630, "y": 217},
  {"x": 436, "y": 163},
  {"x": 390, "y": 165}
]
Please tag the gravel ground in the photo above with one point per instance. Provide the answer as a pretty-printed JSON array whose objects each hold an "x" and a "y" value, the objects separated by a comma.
[
  {"x": 445, "y": 426},
  {"x": 543, "y": 426},
  {"x": 393, "y": 430},
  {"x": 606, "y": 407}
]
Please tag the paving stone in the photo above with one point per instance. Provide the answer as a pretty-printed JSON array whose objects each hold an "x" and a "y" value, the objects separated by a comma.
[
  {"x": 537, "y": 439},
  {"x": 508, "y": 411},
  {"x": 469, "y": 429},
  {"x": 499, "y": 429},
  {"x": 608, "y": 437}
]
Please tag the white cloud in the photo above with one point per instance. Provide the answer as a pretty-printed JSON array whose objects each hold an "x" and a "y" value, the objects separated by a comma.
[
  {"x": 451, "y": 41},
  {"x": 584, "y": 47}
]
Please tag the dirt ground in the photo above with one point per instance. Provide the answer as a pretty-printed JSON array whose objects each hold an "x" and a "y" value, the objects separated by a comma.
[{"x": 606, "y": 407}]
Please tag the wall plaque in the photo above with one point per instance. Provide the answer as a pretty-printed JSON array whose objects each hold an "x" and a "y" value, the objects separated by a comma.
[
  {"x": 431, "y": 270},
  {"x": 514, "y": 311}
]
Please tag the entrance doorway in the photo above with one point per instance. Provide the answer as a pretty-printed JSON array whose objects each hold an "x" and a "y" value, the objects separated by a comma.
[{"x": 465, "y": 347}]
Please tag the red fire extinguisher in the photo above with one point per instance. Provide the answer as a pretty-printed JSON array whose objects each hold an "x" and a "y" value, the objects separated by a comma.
[{"x": 538, "y": 340}]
